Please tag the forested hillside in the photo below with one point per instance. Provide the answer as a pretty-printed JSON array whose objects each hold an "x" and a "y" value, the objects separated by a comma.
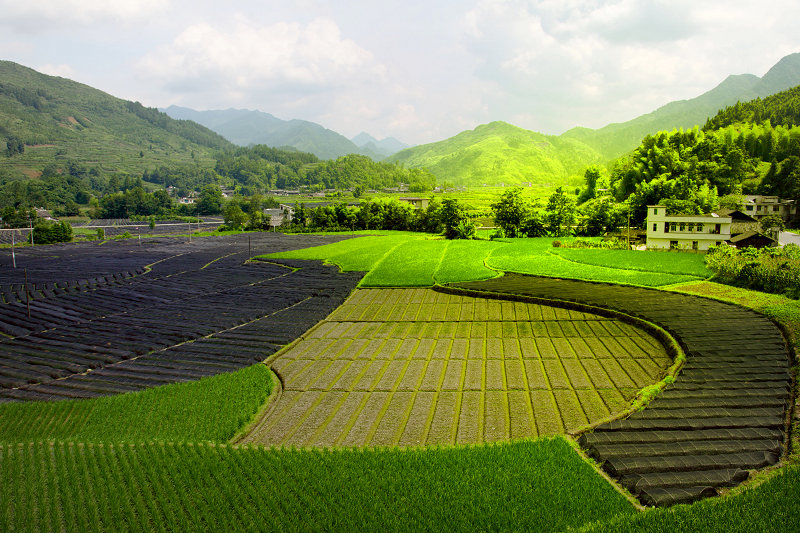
[
  {"x": 694, "y": 171},
  {"x": 50, "y": 121},
  {"x": 498, "y": 153},
  {"x": 781, "y": 109},
  {"x": 617, "y": 139}
]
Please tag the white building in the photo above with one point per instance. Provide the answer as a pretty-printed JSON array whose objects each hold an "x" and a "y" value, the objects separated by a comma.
[
  {"x": 685, "y": 232},
  {"x": 758, "y": 206}
]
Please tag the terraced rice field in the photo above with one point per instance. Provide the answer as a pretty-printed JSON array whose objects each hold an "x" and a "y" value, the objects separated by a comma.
[{"x": 413, "y": 367}]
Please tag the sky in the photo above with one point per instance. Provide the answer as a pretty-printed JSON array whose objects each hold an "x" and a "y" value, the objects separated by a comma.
[{"x": 417, "y": 71}]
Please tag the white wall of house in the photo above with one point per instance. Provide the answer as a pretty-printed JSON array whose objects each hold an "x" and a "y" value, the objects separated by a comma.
[{"x": 686, "y": 232}]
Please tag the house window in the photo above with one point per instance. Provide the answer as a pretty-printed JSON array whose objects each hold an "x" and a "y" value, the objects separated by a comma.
[
  {"x": 655, "y": 210},
  {"x": 655, "y": 227},
  {"x": 683, "y": 226},
  {"x": 700, "y": 228},
  {"x": 690, "y": 227},
  {"x": 672, "y": 226},
  {"x": 719, "y": 242},
  {"x": 776, "y": 208},
  {"x": 694, "y": 245},
  {"x": 749, "y": 207},
  {"x": 673, "y": 244}
]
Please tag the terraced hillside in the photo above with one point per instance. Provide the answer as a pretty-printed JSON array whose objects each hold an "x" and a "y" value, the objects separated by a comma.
[
  {"x": 416, "y": 367},
  {"x": 165, "y": 312},
  {"x": 725, "y": 415}
]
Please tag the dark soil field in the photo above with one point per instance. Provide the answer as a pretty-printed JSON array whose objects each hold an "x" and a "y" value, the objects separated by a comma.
[{"x": 127, "y": 315}]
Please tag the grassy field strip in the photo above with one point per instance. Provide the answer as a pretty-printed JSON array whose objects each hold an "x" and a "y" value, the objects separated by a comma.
[
  {"x": 210, "y": 409},
  {"x": 189, "y": 487},
  {"x": 376, "y": 374},
  {"x": 419, "y": 260}
]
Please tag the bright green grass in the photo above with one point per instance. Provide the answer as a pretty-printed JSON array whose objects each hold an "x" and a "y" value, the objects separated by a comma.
[
  {"x": 211, "y": 409},
  {"x": 418, "y": 260},
  {"x": 666, "y": 262},
  {"x": 524, "y": 486}
]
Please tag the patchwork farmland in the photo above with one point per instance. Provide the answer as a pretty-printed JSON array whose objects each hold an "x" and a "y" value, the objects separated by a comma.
[
  {"x": 159, "y": 413},
  {"x": 414, "y": 367}
]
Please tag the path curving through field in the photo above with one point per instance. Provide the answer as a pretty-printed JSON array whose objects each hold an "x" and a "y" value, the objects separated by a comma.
[
  {"x": 411, "y": 367},
  {"x": 725, "y": 415}
]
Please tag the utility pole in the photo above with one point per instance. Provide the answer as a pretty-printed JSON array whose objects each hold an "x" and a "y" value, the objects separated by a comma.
[
  {"x": 27, "y": 293},
  {"x": 13, "y": 255}
]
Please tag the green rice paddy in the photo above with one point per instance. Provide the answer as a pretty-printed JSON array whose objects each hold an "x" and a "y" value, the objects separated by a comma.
[
  {"x": 419, "y": 260},
  {"x": 410, "y": 367}
]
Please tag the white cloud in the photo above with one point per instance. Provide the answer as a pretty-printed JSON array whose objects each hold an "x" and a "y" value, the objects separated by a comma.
[
  {"x": 248, "y": 60},
  {"x": 582, "y": 62},
  {"x": 43, "y": 14}
]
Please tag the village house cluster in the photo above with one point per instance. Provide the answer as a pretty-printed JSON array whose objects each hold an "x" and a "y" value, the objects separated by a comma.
[{"x": 699, "y": 232}]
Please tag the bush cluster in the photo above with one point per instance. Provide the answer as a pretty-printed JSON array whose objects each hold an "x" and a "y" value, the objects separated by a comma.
[{"x": 768, "y": 269}]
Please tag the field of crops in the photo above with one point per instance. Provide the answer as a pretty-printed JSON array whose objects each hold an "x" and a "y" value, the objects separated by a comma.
[
  {"x": 160, "y": 459},
  {"x": 189, "y": 311},
  {"x": 179, "y": 487},
  {"x": 411, "y": 367},
  {"x": 416, "y": 260}
]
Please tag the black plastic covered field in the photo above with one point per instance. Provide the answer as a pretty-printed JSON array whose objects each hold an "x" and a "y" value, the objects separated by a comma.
[{"x": 124, "y": 315}]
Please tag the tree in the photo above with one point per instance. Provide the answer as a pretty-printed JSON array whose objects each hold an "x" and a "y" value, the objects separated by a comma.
[
  {"x": 457, "y": 224},
  {"x": 772, "y": 224},
  {"x": 234, "y": 216},
  {"x": 592, "y": 175},
  {"x": 210, "y": 202},
  {"x": 511, "y": 211},
  {"x": 559, "y": 215}
]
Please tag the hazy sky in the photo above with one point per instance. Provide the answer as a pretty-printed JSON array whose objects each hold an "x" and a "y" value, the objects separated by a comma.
[{"x": 418, "y": 71}]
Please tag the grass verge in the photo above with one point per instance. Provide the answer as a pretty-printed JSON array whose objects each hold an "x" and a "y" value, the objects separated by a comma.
[{"x": 211, "y": 409}]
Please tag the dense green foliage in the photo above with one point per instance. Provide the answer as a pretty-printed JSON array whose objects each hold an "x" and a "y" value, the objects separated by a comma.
[
  {"x": 780, "y": 109},
  {"x": 211, "y": 409},
  {"x": 47, "y": 232},
  {"x": 527, "y": 485},
  {"x": 775, "y": 270},
  {"x": 395, "y": 260},
  {"x": 688, "y": 170}
]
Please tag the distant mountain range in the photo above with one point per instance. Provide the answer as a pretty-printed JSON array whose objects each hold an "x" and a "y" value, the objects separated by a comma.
[
  {"x": 501, "y": 153},
  {"x": 61, "y": 122},
  {"x": 245, "y": 127}
]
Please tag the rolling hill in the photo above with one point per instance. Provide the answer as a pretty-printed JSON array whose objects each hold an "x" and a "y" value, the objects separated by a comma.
[
  {"x": 56, "y": 121},
  {"x": 500, "y": 153},
  {"x": 245, "y": 127},
  {"x": 617, "y": 139}
]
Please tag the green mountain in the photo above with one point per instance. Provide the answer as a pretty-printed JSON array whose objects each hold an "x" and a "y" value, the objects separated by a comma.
[
  {"x": 498, "y": 153},
  {"x": 780, "y": 109},
  {"x": 617, "y": 139},
  {"x": 245, "y": 127},
  {"x": 48, "y": 121}
]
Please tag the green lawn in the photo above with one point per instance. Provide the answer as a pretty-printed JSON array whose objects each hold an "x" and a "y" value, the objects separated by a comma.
[{"x": 419, "y": 260}]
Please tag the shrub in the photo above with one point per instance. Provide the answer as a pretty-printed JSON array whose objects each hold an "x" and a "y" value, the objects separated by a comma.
[
  {"x": 768, "y": 269},
  {"x": 46, "y": 232}
]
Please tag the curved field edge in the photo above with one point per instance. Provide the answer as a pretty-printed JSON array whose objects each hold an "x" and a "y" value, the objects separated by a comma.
[
  {"x": 421, "y": 260},
  {"x": 644, "y": 396},
  {"x": 537, "y": 485},
  {"x": 210, "y": 409}
]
